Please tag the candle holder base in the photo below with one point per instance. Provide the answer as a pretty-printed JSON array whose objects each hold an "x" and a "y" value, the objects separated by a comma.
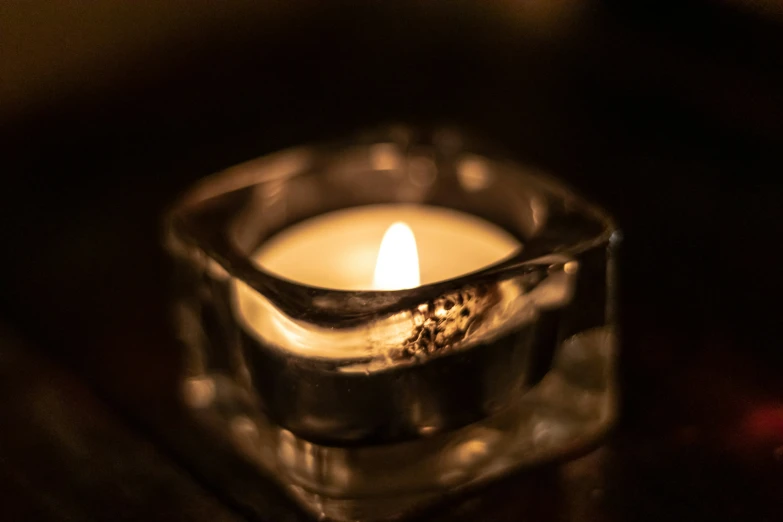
[{"x": 562, "y": 417}]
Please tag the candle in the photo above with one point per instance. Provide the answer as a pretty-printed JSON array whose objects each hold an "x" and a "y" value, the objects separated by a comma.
[
  {"x": 340, "y": 250},
  {"x": 374, "y": 347},
  {"x": 396, "y": 350},
  {"x": 383, "y": 247}
]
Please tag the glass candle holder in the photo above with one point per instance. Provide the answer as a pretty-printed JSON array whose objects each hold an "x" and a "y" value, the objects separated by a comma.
[{"x": 366, "y": 404}]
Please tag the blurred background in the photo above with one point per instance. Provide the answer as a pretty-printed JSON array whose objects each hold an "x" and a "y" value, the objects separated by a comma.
[{"x": 668, "y": 114}]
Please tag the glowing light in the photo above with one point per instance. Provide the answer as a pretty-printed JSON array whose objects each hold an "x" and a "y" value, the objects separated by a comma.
[
  {"x": 397, "y": 267},
  {"x": 474, "y": 174},
  {"x": 200, "y": 392}
]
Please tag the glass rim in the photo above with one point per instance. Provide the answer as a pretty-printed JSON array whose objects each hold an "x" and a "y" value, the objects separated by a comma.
[{"x": 344, "y": 305}]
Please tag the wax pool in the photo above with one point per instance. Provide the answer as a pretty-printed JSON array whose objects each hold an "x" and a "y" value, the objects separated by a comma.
[{"x": 339, "y": 250}]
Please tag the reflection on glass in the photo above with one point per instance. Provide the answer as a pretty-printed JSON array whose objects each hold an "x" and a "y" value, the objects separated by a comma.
[{"x": 362, "y": 393}]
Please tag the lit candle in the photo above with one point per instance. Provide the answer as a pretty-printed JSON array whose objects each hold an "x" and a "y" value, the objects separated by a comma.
[
  {"x": 392, "y": 375},
  {"x": 394, "y": 350},
  {"x": 340, "y": 250},
  {"x": 379, "y": 247}
]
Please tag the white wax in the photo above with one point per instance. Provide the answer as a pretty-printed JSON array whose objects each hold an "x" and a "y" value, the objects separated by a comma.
[{"x": 339, "y": 250}]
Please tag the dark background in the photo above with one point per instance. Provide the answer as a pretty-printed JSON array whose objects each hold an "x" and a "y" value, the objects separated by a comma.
[{"x": 669, "y": 116}]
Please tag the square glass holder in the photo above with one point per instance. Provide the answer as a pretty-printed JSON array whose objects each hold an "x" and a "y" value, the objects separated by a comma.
[{"x": 528, "y": 378}]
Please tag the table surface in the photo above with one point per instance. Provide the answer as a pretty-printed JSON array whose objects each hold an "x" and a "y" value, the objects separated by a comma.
[{"x": 674, "y": 123}]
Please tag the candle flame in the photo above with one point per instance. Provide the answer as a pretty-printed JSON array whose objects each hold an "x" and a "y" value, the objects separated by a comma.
[{"x": 397, "y": 267}]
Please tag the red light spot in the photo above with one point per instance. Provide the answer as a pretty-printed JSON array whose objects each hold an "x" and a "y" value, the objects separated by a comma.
[{"x": 764, "y": 423}]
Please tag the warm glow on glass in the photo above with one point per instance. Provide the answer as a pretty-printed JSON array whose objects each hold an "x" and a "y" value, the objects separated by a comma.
[{"x": 397, "y": 267}]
